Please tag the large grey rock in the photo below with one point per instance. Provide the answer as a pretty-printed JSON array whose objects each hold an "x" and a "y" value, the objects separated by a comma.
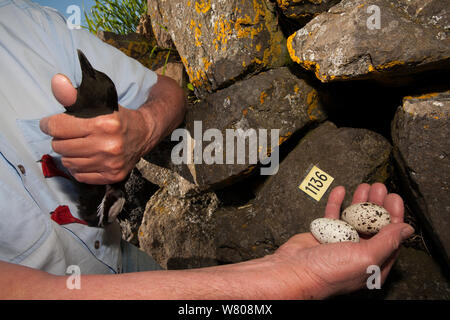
[
  {"x": 221, "y": 41},
  {"x": 345, "y": 42},
  {"x": 178, "y": 233},
  {"x": 275, "y": 99},
  {"x": 421, "y": 132}
]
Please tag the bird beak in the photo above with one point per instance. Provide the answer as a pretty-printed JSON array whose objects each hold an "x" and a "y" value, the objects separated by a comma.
[{"x": 86, "y": 67}]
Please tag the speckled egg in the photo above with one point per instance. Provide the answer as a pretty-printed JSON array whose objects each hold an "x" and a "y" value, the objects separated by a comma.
[
  {"x": 331, "y": 230},
  {"x": 367, "y": 218}
]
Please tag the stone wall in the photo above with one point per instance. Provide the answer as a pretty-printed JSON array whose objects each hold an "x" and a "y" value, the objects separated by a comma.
[{"x": 362, "y": 98}]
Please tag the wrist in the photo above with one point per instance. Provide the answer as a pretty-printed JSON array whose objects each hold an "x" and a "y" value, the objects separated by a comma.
[
  {"x": 294, "y": 279},
  {"x": 267, "y": 278},
  {"x": 152, "y": 131}
]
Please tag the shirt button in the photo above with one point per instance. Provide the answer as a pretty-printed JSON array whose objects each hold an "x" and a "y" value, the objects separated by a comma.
[
  {"x": 21, "y": 168},
  {"x": 97, "y": 244}
]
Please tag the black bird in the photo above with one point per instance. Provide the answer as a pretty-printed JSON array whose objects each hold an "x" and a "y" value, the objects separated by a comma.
[{"x": 98, "y": 205}]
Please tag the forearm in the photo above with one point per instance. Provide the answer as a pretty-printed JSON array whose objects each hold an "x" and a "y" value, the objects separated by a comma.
[
  {"x": 254, "y": 279},
  {"x": 163, "y": 111}
]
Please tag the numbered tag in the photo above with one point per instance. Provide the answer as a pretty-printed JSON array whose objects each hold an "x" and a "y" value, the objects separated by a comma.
[{"x": 316, "y": 183}]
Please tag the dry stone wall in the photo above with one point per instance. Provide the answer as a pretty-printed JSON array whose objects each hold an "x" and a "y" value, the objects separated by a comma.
[{"x": 249, "y": 71}]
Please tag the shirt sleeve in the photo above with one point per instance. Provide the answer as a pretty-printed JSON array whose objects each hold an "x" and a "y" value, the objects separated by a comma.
[{"x": 133, "y": 81}]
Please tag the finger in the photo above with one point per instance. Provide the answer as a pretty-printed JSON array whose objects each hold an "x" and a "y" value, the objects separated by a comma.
[
  {"x": 100, "y": 178},
  {"x": 381, "y": 246},
  {"x": 303, "y": 241},
  {"x": 91, "y": 178},
  {"x": 63, "y": 126},
  {"x": 333, "y": 208},
  {"x": 73, "y": 148},
  {"x": 63, "y": 90},
  {"x": 393, "y": 203},
  {"x": 377, "y": 193},
  {"x": 82, "y": 165},
  {"x": 87, "y": 147},
  {"x": 361, "y": 193}
]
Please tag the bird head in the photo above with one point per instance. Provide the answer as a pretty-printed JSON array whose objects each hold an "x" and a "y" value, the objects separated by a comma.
[{"x": 96, "y": 94}]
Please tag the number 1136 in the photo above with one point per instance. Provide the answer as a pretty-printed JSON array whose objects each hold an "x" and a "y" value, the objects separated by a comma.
[{"x": 316, "y": 183}]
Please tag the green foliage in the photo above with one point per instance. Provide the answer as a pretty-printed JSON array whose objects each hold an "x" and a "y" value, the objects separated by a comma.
[
  {"x": 118, "y": 16},
  {"x": 190, "y": 86}
]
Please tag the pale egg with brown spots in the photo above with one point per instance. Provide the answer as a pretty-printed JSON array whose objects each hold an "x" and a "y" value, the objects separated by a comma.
[
  {"x": 367, "y": 218},
  {"x": 327, "y": 230}
]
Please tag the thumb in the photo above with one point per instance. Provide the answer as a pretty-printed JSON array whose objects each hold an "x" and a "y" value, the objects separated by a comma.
[
  {"x": 63, "y": 90},
  {"x": 381, "y": 246}
]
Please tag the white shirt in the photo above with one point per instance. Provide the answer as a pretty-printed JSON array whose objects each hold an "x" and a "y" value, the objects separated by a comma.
[{"x": 35, "y": 44}]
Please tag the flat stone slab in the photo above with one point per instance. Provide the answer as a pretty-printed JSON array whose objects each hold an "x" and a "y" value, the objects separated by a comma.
[{"x": 275, "y": 99}]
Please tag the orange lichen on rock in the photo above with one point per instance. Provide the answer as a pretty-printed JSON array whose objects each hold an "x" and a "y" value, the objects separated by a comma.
[
  {"x": 223, "y": 31},
  {"x": 198, "y": 78},
  {"x": 202, "y": 6},
  {"x": 262, "y": 97},
  {"x": 422, "y": 97},
  {"x": 310, "y": 65},
  {"x": 312, "y": 100},
  {"x": 386, "y": 66}
]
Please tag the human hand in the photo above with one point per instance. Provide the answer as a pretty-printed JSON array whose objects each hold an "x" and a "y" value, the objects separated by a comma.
[
  {"x": 100, "y": 150},
  {"x": 316, "y": 271}
]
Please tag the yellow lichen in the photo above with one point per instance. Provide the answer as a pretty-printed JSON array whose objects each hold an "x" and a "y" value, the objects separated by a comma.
[
  {"x": 250, "y": 26},
  {"x": 197, "y": 78},
  {"x": 422, "y": 97},
  {"x": 284, "y": 4},
  {"x": 203, "y": 7},
  {"x": 262, "y": 97},
  {"x": 197, "y": 35},
  {"x": 284, "y": 138},
  {"x": 389, "y": 65},
  {"x": 291, "y": 50},
  {"x": 307, "y": 64},
  {"x": 223, "y": 30},
  {"x": 227, "y": 29},
  {"x": 312, "y": 100}
]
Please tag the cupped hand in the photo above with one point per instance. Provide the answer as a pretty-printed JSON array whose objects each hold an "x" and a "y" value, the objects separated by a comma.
[
  {"x": 100, "y": 150},
  {"x": 323, "y": 270}
]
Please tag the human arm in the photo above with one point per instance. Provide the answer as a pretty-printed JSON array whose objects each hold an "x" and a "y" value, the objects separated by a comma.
[{"x": 300, "y": 269}]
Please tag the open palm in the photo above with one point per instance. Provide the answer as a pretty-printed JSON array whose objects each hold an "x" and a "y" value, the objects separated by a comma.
[{"x": 342, "y": 267}]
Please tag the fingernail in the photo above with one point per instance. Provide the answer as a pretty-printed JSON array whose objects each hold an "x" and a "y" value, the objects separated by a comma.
[
  {"x": 407, "y": 232},
  {"x": 43, "y": 124}
]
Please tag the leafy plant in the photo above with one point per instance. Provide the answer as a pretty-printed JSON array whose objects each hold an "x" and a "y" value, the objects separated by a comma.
[{"x": 118, "y": 16}]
